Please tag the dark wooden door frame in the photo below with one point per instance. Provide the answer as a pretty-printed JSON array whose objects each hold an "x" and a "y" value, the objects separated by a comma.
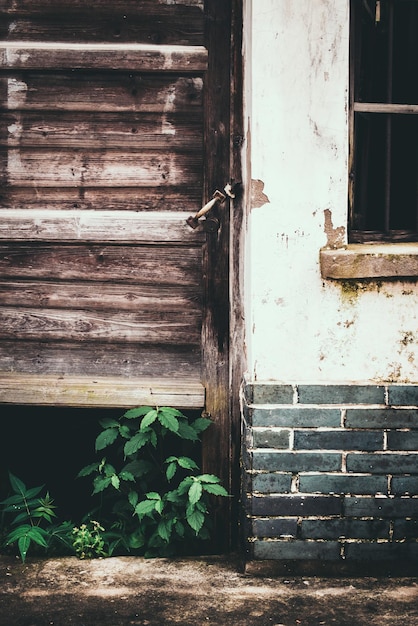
[{"x": 223, "y": 328}]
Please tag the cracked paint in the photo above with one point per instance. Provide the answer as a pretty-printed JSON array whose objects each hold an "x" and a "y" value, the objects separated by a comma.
[{"x": 335, "y": 236}]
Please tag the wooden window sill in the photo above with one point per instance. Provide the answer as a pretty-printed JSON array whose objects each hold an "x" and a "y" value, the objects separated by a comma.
[{"x": 372, "y": 261}]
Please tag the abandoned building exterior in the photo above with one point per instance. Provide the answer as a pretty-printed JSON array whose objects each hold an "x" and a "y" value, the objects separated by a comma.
[
  {"x": 330, "y": 403},
  {"x": 288, "y": 311}
]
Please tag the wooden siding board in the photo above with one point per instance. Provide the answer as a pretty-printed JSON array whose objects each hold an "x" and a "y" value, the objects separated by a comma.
[
  {"x": 100, "y": 92},
  {"x": 93, "y": 198},
  {"x": 133, "y": 7},
  {"x": 147, "y": 265},
  {"x": 127, "y": 131},
  {"x": 108, "y": 168},
  {"x": 128, "y": 56},
  {"x": 179, "y": 362},
  {"x": 101, "y": 296},
  {"x": 78, "y": 326},
  {"x": 98, "y": 392},
  {"x": 77, "y": 226}
]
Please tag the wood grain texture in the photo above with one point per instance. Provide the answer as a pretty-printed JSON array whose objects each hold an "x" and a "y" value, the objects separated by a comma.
[
  {"x": 136, "y": 21},
  {"x": 166, "y": 362},
  {"x": 127, "y": 131},
  {"x": 78, "y": 326},
  {"x": 135, "y": 7},
  {"x": 99, "y": 392},
  {"x": 139, "y": 57},
  {"x": 107, "y": 168},
  {"x": 143, "y": 265},
  {"x": 96, "y": 198},
  {"x": 101, "y": 92},
  {"x": 101, "y": 296},
  {"x": 98, "y": 226}
]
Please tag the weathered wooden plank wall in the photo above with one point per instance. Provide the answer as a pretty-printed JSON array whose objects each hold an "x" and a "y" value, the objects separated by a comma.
[{"x": 101, "y": 160}]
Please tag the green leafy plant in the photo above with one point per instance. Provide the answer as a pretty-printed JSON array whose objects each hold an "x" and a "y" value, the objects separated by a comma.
[
  {"x": 156, "y": 499},
  {"x": 33, "y": 519},
  {"x": 89, "y": 541}
]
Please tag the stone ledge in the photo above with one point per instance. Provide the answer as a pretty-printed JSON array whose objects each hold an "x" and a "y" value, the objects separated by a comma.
[{"x": 370, "y": 261}]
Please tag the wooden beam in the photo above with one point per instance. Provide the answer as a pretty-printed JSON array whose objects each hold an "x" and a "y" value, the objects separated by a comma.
[
  {"x": 42, "y": 55},
  {"x": 98, "y": 226},
  {"x": 378, "y": 107},
  {"x": 17, "y": 388}
]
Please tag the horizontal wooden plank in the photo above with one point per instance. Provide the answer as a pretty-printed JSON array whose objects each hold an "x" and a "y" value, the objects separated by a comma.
[
  {"x": 142, "y": 265},
  {"x": 99, "y": 392},
  {"x": 128, "y": 131},
  {"x": 98, "y": 226},
  {"x": 139, "y": 57},
  {"x": 133, "y": 7},
  {"x": 79, "y": 326},
  {"x": 101, "y": 296},
  {"x": 140, "y": 22},
  {"x": 107, "y": 168},
  {"x": 379, "y": 107},
  {"x": 176, "y": 362},
  {"x": 101, "y": 92},
  {"x": 176, "y": 199}
]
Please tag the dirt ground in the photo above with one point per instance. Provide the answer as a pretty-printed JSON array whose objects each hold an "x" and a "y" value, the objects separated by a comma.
[{"x": 193, "y": 592}]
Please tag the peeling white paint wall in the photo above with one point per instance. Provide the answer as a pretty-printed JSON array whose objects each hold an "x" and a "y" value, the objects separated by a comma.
[{"x": 299, "y": 327}]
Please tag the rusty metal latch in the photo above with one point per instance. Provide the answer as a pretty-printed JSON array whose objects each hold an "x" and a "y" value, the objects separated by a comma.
[{"x": 210, "y": 223}]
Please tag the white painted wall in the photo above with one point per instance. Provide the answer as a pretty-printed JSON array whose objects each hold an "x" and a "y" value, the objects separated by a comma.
[{"x": 299, "y": 327}]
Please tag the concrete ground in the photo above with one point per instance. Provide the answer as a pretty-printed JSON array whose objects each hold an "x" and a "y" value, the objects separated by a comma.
[{"x": 194, "y": 592}]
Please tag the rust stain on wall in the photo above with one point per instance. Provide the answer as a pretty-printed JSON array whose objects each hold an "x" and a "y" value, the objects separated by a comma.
[
  {"x": 335, "y": 236},
  {"x": 258, "y": 197}
]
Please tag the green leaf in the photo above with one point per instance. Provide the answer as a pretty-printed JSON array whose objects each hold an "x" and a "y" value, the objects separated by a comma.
[
  {"x": 108, "y": 469},
  {"x": 172, "y": 496},
  {"x": 17, "y": 485},
  {"x": 106, "y": 438},
  {"x": 145, "y": 507},
  {"x": 168, "y": 419},
  {"x": 164, "y": 529},
  {"x": 109, "y": 422},
  {"x": 33, "y": 492},
  {"x": 100, "y": 483},
  {"x": 195, "y": 492},
  {"x": 37, "y": 535},
  {"x": 124, "y": 431},
  {"x": 133, "y": 498},
  {"x": 196, "y": 520},
  {"x": 201, "y": 424},
  {"x": 208, "y": 478},
  {"x": 170, "y": 471},
  {"x": 87, "y": 470},
  {"x": 17, "y": 533},
  {"x": 115, "y": 480},
  {"x": 216, "y": 490},
  {"x": 185, "y": 484},
  {"x": 187, "y": 463},
  {"x": 153, "y": 495},
  {"x": 137, "y": 412},
  {"x": 137, "y": 468},
  {"x": 180, "y": 530},
  {"x": 136, "y": 540},
  {"x": 136, "y": 443},
  {"x": 23, "y": 545},
  {"x": 127, "y": 476},
  {"x": 148, "y": 419},
  {"x": 185, "y": 431}
]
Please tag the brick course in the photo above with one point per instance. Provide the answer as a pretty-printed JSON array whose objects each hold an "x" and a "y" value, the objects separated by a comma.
[{"x": 330, "y": 472}]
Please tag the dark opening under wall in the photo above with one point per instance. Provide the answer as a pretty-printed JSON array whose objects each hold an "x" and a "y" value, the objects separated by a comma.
[{"x": 49, "y": 446}]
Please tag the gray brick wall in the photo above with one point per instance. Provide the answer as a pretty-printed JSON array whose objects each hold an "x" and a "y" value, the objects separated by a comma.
[{"x": 330, "y": 472}]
